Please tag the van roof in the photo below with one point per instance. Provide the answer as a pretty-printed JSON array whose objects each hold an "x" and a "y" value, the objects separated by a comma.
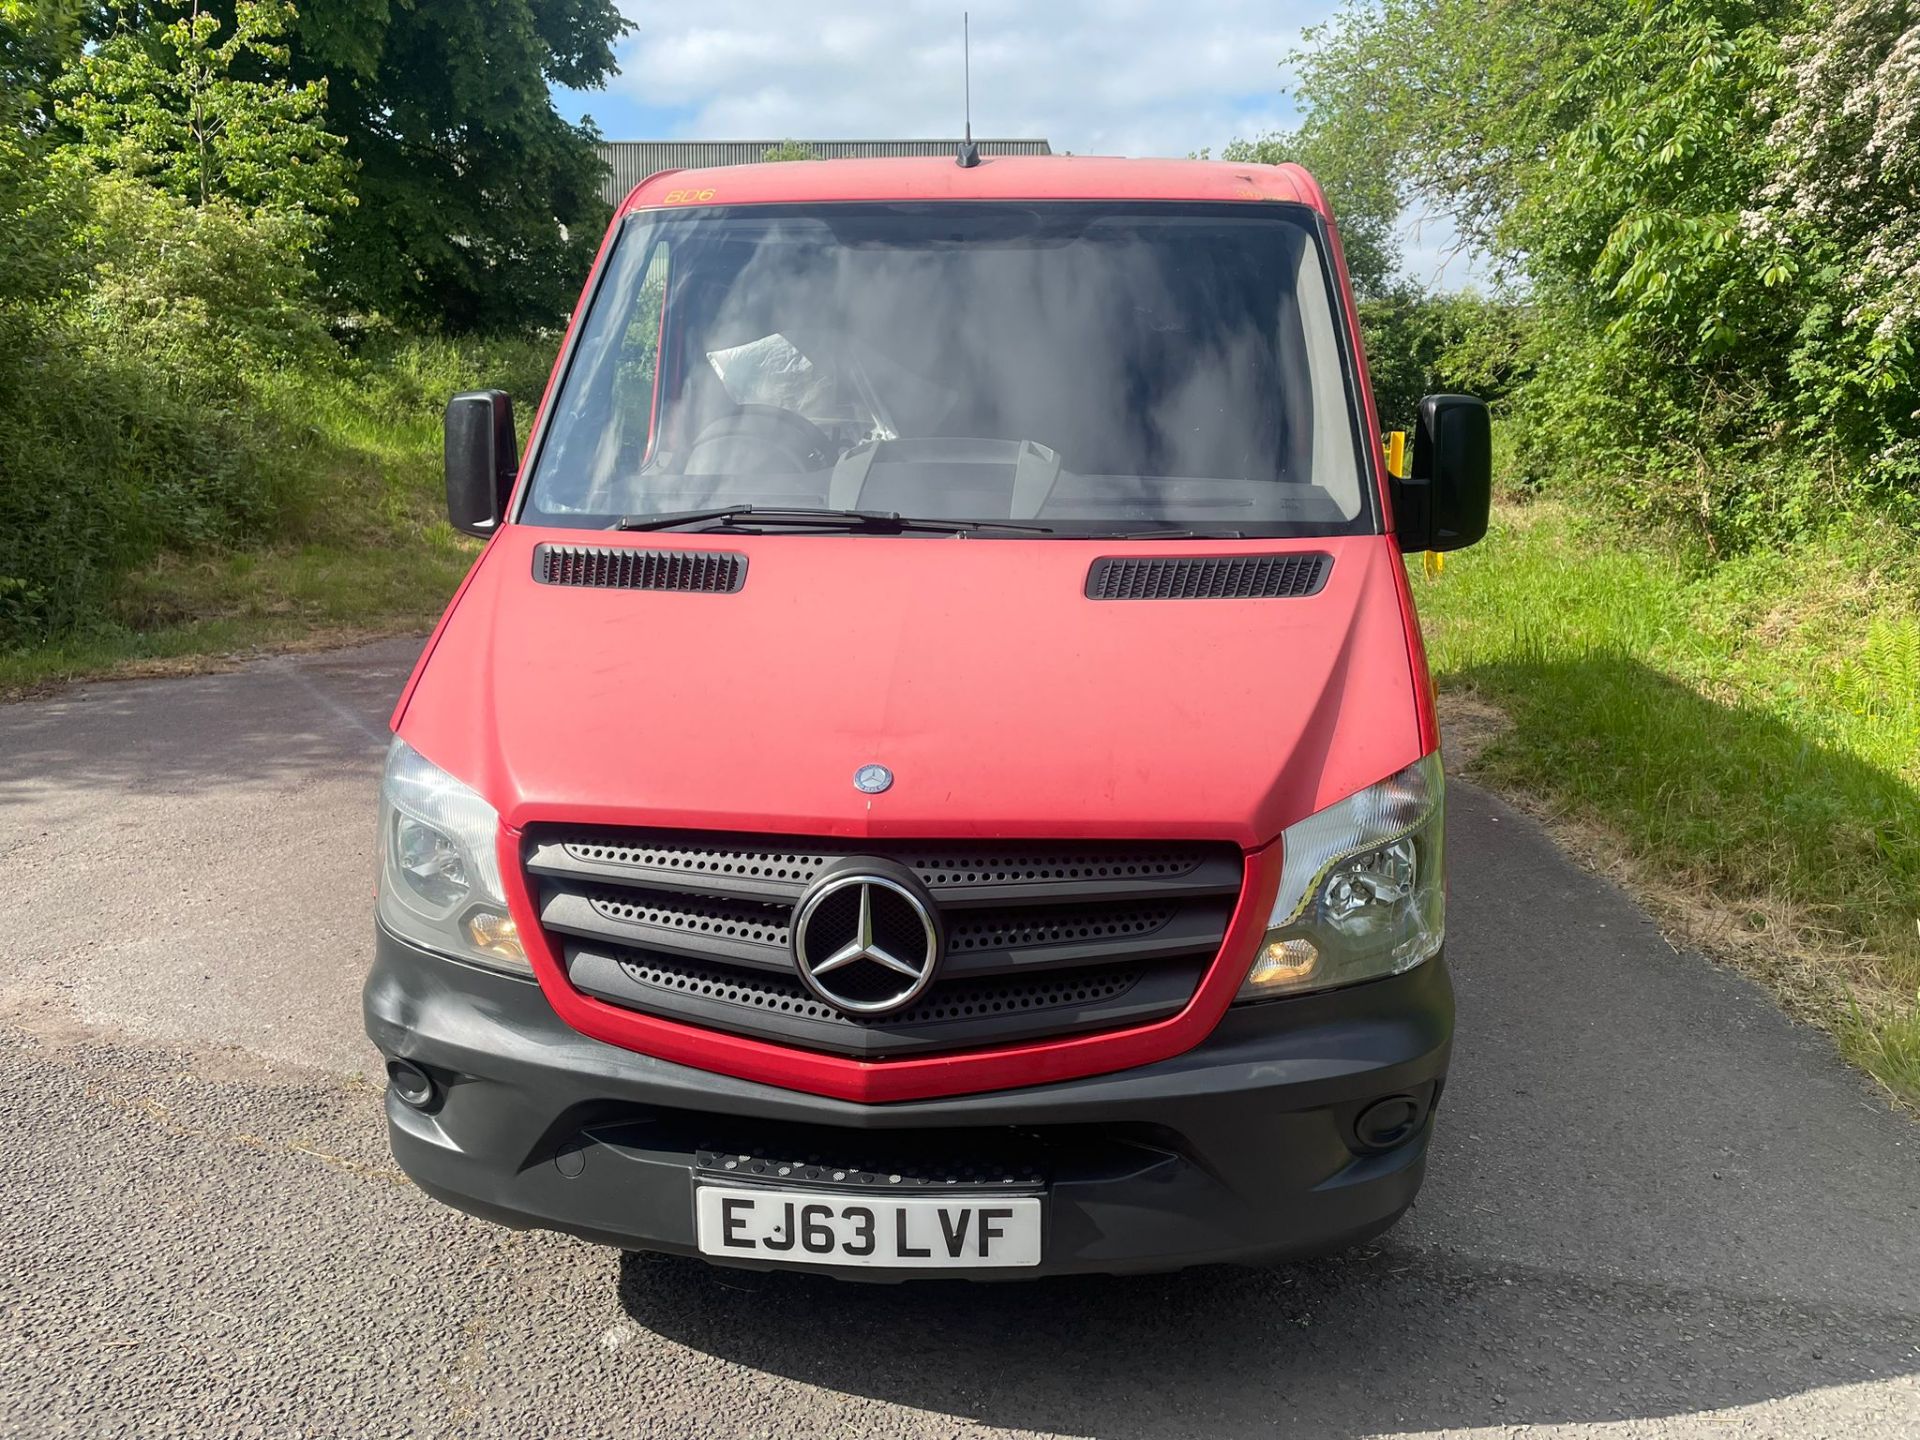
[{"x": 1000, "y": 177}]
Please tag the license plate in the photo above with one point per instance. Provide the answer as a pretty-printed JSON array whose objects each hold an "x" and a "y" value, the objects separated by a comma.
[{"x": 912, "y": 1232}]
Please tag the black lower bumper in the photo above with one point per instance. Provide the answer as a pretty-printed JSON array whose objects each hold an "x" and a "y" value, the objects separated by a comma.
[{"x": 1266, "y": 1142}]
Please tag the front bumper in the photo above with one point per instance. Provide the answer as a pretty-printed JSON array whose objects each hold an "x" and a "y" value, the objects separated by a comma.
[{"x": 1247, "y": 1148}]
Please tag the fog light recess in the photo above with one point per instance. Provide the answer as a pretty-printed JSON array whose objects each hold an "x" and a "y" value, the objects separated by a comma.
[
  {"x": 1390, "y": 1122},
  {"x": 412, "y": 1085}
]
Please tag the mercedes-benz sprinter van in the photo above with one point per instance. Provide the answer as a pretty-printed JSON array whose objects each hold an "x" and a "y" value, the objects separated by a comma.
[{"x": 934, "y": 771}]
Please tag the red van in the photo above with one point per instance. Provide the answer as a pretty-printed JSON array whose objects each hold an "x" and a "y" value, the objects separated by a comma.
[{"x": 934, "y": 772}]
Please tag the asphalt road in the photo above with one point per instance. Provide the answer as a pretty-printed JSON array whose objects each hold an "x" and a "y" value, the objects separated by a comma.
[{"x": 1656, "y": 1207}]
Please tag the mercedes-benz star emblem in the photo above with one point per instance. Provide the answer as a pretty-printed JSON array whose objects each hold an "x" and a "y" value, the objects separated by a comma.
[
  {"x": 865, "y": 943},
  {"x": 872, "y": 779}
]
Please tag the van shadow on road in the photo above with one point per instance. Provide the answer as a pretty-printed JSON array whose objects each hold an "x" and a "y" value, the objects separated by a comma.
[{"x": 1389, "y": 1339}]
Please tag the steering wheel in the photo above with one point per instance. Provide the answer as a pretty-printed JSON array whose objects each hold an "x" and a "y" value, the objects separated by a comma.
[{"x": 759, "y": 439}]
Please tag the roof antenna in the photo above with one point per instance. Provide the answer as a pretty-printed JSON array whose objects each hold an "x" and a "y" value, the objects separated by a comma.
[{"x": 969, "y": 152}]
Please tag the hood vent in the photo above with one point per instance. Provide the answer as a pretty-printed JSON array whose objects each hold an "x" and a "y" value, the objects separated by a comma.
[
  {"x": 1210, "y": 577},
  {"x": 712, "y": 572}
]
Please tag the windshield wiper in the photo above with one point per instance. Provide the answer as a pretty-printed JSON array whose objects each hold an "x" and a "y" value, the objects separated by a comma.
[
  {"x": 671, "y": 519},
  {"x": 864, "y": 522}
]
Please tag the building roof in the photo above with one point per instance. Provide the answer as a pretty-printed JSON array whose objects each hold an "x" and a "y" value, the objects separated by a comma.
[
  {"x": 1013, "y": 177},
  {"x": 633, "y": 161}
]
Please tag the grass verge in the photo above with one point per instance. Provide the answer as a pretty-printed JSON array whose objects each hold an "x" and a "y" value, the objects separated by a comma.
[
  {"x": 200, "y": 613},
  {"x": 1740, "y": 740},
  {"x": 355, "y": 546}
]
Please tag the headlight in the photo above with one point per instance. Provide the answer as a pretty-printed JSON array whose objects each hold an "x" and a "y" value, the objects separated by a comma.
[
  {"x": 439, "y": 869},
  {"x": 1362, "y": 889}
]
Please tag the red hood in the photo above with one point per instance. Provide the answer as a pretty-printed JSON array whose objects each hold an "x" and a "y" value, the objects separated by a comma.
[{"x": 1006, "y": 703}]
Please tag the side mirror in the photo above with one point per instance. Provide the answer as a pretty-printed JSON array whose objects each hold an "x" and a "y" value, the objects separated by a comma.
[
  {"x": 1443, "y": 503},
  {"x": 482, "y": 460}
]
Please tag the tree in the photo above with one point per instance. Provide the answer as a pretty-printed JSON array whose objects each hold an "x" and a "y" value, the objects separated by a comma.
[
  {"x": 479, "y": 205},
  {"x": 34, "y": 260},
  {"x": 1846, "y": 204},
  {"x": 1703, "y": 219},
  {"x": 1420, "y": 344},
  {"x": 38, "y": 40},
  {"x": 203, "y": 110},
  {"x": 790, "y": 150},
  {"x": 1850, "y": 131}
]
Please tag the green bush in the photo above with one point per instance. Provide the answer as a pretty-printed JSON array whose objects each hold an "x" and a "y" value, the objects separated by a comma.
[
  {"x": 173, "y": 396},
  {"x": 132, "y": 414},
  {"x": 1707, "y": 209},
  {"x": 1419, "y": 345}
]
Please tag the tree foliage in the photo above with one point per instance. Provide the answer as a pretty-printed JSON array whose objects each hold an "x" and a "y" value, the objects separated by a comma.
[
  {"x": 476, "y": 205},
  {"x": 790, "y": 150},
  {"x": 1708, "y": 209},
  {"x": 38, "y": 40},
  {"x": 197, "y": 195},
  {"x": 141, "y": 330},
  {"x": 1846, "y": 202},
  {"x": 1420, "y": 344},
  {"x": 479, "y": 206},
  {"x": 33, "y": 260},
  {"x": 205, "y": 111},
  {"x": 1849, "y": 130}
]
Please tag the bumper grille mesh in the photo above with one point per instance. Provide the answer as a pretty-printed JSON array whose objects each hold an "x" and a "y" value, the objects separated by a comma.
[
  {"x": 954, "y": 1002},
  {"x": 1049, "y": 927},
  {"x": 757, "y": 924}
]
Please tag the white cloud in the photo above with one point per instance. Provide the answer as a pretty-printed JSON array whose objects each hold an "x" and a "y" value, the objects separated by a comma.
[{"x": 1092, "y": 76}]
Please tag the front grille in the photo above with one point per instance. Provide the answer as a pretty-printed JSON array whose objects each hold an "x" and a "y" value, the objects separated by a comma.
[
  {"x": 1040, "y": 940},
  {"x": 1209, "y": 577}
]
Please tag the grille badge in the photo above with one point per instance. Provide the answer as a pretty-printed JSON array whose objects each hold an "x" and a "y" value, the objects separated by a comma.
[
  {"x": 872, "y": 779},
  {"x": 875, "y": 960}
]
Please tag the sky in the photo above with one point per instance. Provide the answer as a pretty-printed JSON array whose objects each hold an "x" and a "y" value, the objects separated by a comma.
[{"x": 1100, "y": 77}]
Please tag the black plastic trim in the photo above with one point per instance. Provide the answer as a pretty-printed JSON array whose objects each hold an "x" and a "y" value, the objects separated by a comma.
[
  {"x": 793, "y": 1017},
  {"x": 1209, "y": 577},
  {"x": 625, "y": 567},
  {"x": 569, "y": 912},
  {"x": 1196, "y": 929},
  {"x": 780, "y": 871},
  {"x": 1040, "y": 939},
  {"x": 1238, "y": 1149}
]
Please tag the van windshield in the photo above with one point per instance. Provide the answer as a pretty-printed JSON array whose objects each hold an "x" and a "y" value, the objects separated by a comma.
[{"x": 1094, "y": 368}]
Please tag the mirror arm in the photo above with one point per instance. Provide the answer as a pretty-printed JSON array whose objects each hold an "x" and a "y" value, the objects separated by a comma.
[{"x": 1412, "y": 511}]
